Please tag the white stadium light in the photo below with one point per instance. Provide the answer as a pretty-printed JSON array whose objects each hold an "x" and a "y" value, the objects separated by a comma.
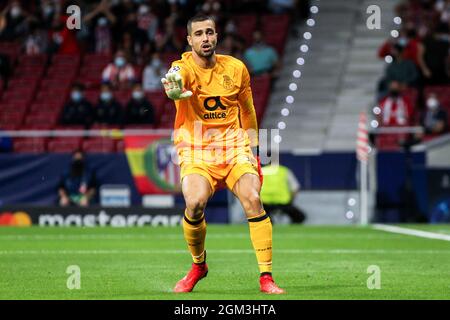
[
  {"x": 314, "y": 9},
  {"x": 376, "y": 110},
  {"x": 304, "y": 48},
  {"x": 297, "y": 74},
  {"x": 349, "y": 215},
  {"x": 394, "y": 34},
  {"x": 277, "y": 139},
  {"x": 290, "y": 99}
]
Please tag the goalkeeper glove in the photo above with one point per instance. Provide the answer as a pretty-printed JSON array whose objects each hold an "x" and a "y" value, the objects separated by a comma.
[{"x": 173, "y": 85}]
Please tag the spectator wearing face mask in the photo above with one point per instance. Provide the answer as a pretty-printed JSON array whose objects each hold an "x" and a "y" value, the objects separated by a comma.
[
  {"x": 396, "y": 109},
  {"x": 139, "y": 110},
  {"x": 77, "y": 111},
  {"x": 108, "y": 110},
  {"x": 13, "y": 22},
  {"x": 47, "y": 13},
  {"x": 260, "y": 57},
  {"x": 413, "y": 48},
  {"x": 147, "y": 23},
  {"x": 435, "y": 118},
  {"x": 101, "y": 20},
  {"x": 119, "y": 73},
  {"x": 153, "y": 72},
  {"x": 78, "y": 186}
]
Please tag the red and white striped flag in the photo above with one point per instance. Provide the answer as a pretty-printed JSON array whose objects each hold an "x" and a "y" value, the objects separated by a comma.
[{"x": 362, "y": 139}]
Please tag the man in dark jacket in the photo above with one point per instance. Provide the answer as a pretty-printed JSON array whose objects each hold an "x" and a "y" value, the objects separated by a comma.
[{"x": 139, "y": 110}]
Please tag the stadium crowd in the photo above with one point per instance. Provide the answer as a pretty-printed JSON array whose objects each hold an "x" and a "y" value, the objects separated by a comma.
[
  {"x": 415, "y": 89},
  {"x": 107, "y": 73}
]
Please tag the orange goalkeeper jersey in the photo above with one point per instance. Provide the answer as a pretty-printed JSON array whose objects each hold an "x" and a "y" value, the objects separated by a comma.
[{"x": 220, "y": 107}]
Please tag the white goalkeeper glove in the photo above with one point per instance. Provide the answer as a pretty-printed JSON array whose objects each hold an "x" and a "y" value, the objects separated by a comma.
[{"x": 173, "y": 85}]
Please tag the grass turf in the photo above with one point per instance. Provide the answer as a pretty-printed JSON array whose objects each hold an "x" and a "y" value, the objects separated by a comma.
[{"x": 310, "y": 262}]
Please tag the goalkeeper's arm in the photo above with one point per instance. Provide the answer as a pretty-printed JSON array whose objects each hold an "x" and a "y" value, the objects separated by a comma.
[{"x": 173, "y": 85}]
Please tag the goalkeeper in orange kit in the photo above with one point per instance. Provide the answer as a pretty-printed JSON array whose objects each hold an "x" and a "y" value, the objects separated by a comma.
[{"x": 216, "y": 136}]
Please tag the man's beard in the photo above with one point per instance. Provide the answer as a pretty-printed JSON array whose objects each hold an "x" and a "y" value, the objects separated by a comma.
[{"x": 207, "y": 54}]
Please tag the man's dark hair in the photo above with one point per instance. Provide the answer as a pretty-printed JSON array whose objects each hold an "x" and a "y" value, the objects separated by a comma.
[{"x": 198, "y": 18}]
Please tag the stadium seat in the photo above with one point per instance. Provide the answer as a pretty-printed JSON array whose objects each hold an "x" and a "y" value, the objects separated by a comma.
[
  {"x": 64, "y": 144},
  {"x": 45, "y": 106},
  {"x": 98, "y": 145},
  {"x": 33, "y": 60},
  {"x": 30, "y": 145},
  {"x": 42, "y": 117}
]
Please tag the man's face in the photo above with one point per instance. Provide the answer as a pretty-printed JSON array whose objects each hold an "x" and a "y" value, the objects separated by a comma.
[{"x": 203, "y": 38}]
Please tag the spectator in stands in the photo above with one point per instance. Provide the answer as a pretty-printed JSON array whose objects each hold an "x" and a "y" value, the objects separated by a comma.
[
  {"x": 396, "y": 109},
  {"x": 47, "y": 13},
  {"x": 147, "y": 23},
  {"x": 78, "y": 186},
  {"x": 77, "y": 111},
  {"x": 437, "y": 47},
  {"x": 139, "y": 110},
  {"x": 413, "y": 48},
  {"x": 5, "y": 70},
  {"x": 167, "y": 40},
  {"x": 37, "y": 40},
  {"x": 108, "y": 110},
  {"x": 129, "y": 47},
  {"x": 14, "y": 21},
  {"x": 119, "y": 73},
  {"x": 435, "y": 120},
  {"x": 261, "y": 58},
  {"x": 401, "y": 70},
  {"x": 62, "y": 39},
  {"x": 153, "y": 72},
  {"x": 101, "y": 20}
]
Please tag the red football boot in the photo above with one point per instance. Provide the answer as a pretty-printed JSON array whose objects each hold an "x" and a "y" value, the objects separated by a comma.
[
  {"x": 267, "y": 285},
  {"x": 197, "y": 272}
]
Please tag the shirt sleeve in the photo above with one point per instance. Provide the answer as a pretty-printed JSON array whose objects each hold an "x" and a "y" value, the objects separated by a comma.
[{"x": 247, "y": 112}]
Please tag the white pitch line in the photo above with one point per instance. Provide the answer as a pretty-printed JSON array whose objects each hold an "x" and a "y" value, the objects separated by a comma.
[
  {"x": 412, "y": 232},
  {"x": 69, "y": 237},
  {"x": 223, "y": 251}
]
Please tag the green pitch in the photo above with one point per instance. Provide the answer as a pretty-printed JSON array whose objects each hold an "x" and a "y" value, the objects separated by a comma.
[{"x": 310, "y": 262}]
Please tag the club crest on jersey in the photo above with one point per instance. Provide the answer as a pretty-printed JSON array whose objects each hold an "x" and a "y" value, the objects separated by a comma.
[
  {"x": 174, "y": 69},
  {"x": 227, "y": 82}
]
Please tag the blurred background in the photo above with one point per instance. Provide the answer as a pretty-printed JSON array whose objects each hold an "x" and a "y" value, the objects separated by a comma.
[{"x": 85, "y": 126}]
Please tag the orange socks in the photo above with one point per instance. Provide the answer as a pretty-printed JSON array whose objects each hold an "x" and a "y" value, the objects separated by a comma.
[
  {"x": 195, "y": 234},
  {"x": 261, "y": 236}
]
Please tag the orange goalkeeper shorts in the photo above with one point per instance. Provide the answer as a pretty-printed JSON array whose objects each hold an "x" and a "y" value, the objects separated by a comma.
[{"x": 220, "y": 167}]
